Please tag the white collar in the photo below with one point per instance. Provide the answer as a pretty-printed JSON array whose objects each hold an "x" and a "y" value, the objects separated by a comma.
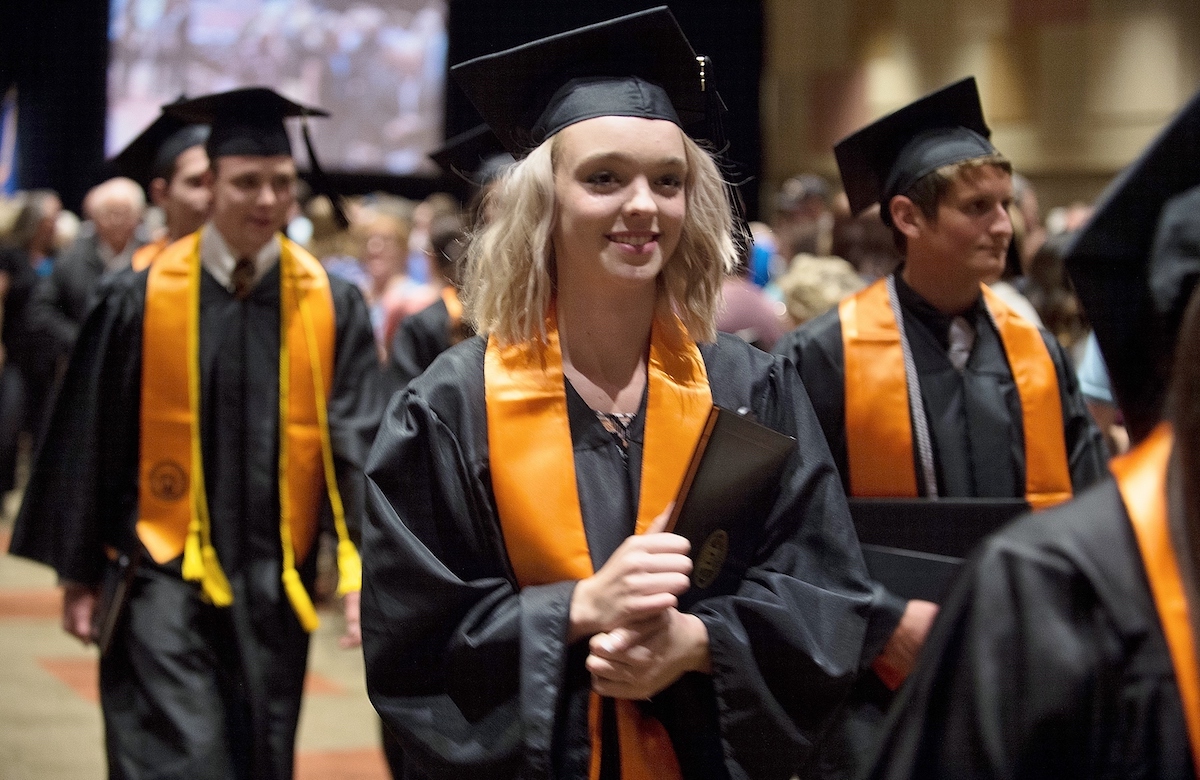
[{"x": 219, "y": 260}]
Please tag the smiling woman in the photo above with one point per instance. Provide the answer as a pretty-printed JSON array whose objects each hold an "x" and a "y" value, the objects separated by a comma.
[{"x": 521, "y": 604}]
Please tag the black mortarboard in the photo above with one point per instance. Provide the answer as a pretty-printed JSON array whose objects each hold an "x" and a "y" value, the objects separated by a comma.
[
  {"x": 152, "y": 154},
  {"x": 889, "y": 156},
  {"x": 1135, "y": 262},
  {"x": 476, "y": 155},
  {"x": 636, "y": 65},
  {"x": 247, "y": 121}
]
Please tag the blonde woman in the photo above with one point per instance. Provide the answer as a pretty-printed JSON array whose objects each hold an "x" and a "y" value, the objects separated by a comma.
[{"x": 522, "y": 613}]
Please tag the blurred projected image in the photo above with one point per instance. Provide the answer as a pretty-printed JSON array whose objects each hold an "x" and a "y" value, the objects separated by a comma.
[{"x": 378, "y": 66}]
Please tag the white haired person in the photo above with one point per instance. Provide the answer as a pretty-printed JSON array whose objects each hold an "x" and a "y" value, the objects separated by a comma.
[{"x": 521, "y": 610}]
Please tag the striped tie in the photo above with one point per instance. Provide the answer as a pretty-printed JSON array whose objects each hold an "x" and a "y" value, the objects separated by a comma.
[{"x": 242, "y": 278}]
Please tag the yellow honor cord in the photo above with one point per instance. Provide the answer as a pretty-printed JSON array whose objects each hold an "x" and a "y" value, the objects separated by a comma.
[
  {"x": 200, "y": 562},
  {"x": 348, "y": 561}
]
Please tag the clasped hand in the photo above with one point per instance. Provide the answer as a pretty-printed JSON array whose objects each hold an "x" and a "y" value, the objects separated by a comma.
[{"x": 640, "y": 642}]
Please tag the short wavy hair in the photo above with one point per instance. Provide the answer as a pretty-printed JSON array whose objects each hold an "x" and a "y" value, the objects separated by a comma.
[{"x": 509, "y": 274}]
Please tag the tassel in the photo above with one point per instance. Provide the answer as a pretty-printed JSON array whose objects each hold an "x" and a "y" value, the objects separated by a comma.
[
  {"x": 349, "y": 568},
  {"x": 193, "y": 561},
  {"x": 301, "y": 603},
  {"x": 321, "y": 182},
  {"x": 215, "y": 585}
]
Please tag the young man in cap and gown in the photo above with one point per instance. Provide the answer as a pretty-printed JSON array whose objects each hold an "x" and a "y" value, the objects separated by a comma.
[
  {"x": 218, "y": 404},
  {"x": 1067, "y": 648},
  {"x": 512, "y": 500},
  {"x": 926, "y": 384},
  {"x": 169, "y": 161}
]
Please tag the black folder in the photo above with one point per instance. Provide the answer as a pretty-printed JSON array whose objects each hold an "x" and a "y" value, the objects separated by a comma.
[
  {"x": 115, "y": 590},
  {"x": 914, "y": 546},
  {"x": 726, "y": 493}
]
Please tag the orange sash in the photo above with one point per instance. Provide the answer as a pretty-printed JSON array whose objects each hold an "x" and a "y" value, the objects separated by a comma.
[
  {"x": 454, "y": 307},
  {"x": 533, "y": 478},
  {"x": 172, "y": 506},
  {"x": 879, "y": 438},
  {"x": 1142, "y": 479},
  {"x": 145, "y": 255}
]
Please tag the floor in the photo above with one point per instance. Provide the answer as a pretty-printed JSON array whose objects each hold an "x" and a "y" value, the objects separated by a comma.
[{"x": 50, "y": 726}]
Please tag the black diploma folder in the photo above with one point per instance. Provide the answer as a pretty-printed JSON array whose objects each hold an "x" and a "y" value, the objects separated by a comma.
[
  {"x": 914, "y": 546},
  {"x": 114, "y": 594},
  {"x": 726, "y": 492}
]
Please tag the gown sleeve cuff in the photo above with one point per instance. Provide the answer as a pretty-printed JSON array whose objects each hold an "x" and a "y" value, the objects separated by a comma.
[{"x": 545, "y": 619}]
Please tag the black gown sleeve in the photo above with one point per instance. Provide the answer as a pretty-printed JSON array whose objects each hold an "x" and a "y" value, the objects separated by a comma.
[
  {"x": 356, "y": 399},
  {"x": 786, "y": 646},
  {"x": 442, "y": 616},
  {"x": 1046, "y": 661},
  {"x": 82, "y": 492},
  {"x": 468, "y": 670}
]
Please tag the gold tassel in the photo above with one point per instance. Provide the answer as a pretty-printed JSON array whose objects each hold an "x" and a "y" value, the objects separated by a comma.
[
  {"x": 349, "y": 568},
  {"x": 215, "y": 585},
  {"x": 301, "y": 603},
  {"x": 193, "y": 561}
]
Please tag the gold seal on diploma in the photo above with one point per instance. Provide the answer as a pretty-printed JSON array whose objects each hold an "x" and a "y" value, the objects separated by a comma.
[{"x": 711, "y": 558}]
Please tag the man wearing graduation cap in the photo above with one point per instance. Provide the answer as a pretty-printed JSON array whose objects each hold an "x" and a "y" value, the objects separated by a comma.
[
  {"x": 520, "y": 601},
  {"x": 169, "y": 161},
  {"x": 217, "y": 404},
  {"x": 1067, "y": 648},
  {"x": 926, "y": 384}
]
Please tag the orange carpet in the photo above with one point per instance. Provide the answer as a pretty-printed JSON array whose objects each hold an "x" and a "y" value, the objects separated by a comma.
[
  {"x": 31, "y": 603},
  {"x": 363, "y": 764},
  {"x": 81, "y": 675}
]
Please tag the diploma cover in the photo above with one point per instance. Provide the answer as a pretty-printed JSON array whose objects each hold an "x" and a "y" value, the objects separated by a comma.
[{"x": 724, "y": 498}]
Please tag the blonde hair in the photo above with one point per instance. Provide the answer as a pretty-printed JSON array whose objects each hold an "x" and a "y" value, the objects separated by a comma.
[
  {"x": 814, "y": 285},
  {"x": 508, "y": 276}
]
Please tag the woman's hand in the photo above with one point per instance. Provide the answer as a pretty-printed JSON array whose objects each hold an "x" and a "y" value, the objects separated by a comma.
[
  {"x": 643, "y": 578},
  {"x": 638, "y": 661}
]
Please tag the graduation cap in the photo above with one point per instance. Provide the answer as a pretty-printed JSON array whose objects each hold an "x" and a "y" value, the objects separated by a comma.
[
  {"x": 638, "y": 65},
  {"x": 476, "y": 155},
  {"x": 1135, "y": 262},
  {"x": 152, "y": 154},
  {"x": 246, "y": 121},
  {"x": 889, "y": 156},
  {"x": 249, "y": 121}
]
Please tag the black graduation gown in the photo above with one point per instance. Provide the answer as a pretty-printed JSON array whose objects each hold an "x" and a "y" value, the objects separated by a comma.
[
  {"x": 978, "y": 449},
  {"x": 473, "y": 674},
  {"x": 420, "y": 338},
  {"x": 247, "y": 661},
  {"x": 1047, "y": 660}
]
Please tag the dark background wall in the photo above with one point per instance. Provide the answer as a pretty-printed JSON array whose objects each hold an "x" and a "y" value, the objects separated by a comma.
[{"x": 56, "y": 51}]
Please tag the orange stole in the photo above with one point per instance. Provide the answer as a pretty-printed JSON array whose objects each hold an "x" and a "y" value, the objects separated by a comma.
[
  {"x": 879, "y": 442},
  {"x": 168, "y": 472},
  {"x": 533, "y": 478},
  {"x": 145, "y": 255},
  {"x": 454, "y": 307},
  {"x": 1142, "y": 479}
]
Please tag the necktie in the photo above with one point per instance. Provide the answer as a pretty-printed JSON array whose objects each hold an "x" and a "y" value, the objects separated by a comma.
[
  {"x": 962, "y": 338},
  {"x": 242, "y": 277}
]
